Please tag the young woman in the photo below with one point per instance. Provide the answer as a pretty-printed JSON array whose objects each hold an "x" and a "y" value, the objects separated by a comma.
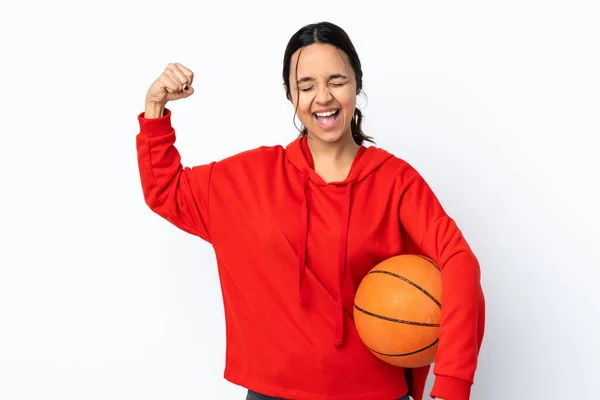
[{"x": 296, "y": 228}]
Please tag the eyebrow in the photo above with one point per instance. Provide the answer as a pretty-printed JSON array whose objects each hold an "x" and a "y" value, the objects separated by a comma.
[{"x": 334, "y": 76}]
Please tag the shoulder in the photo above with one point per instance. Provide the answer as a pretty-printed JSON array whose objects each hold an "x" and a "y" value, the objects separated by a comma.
[
  {"x": 397, "y": 167},
  {"x": 257, "y": 156},
  {"x": 250, "y": 164},
  {"x": 405, "y": 178}
]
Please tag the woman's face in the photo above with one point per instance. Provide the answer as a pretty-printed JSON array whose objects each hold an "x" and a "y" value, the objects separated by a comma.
[{"x": 324, "y": 92}]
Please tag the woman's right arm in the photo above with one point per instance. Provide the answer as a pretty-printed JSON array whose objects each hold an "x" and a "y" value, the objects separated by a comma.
[{"x": 178, "y": 194}]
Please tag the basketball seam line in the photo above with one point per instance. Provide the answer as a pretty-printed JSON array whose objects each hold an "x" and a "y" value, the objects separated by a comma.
[
  {"x": 425, "y": 292},
  {"x": 399, "y": 321},
  {"x": 431, "y": 262},
  {"x": 405, "y": 354}
]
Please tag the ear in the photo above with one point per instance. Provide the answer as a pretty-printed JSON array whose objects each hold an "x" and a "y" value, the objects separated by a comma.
[{"x": 285, "y": 89}]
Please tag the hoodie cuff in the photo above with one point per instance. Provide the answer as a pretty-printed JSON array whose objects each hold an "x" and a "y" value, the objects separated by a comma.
[
  {"x": 156, "y": 126},
  {"x": 449, "y": 388}
]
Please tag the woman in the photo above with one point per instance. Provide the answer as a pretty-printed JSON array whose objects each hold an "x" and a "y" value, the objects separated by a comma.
[{"x": 295, "y": 230}]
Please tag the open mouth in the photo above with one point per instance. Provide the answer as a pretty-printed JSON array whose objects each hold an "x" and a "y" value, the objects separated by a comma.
[{"x": 327, "y": 119}]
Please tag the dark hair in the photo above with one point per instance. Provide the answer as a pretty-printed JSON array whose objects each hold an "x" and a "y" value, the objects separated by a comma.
[{"x": 327, "y": 33}]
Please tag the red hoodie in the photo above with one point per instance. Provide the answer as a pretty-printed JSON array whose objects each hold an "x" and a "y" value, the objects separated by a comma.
[{"x": 291, "y": 250}]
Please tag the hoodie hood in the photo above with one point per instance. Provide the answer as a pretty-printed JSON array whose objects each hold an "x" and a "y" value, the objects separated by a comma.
[{"x": 367, "y": 161}]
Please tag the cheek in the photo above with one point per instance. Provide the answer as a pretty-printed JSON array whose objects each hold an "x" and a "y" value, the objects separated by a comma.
[
  {"x": 347, "y": 100},
  {"x": 304, "y": 104}
]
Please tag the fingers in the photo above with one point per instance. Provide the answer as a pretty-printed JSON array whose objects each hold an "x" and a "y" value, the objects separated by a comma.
[
  {"x": 180, "y": 76},
  {"x": 170, "y": 82},
  {"x": 187, "y": 73}
]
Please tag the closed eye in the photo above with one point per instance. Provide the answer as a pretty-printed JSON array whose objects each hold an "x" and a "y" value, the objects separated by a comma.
[{"x": 308, "y": 89}]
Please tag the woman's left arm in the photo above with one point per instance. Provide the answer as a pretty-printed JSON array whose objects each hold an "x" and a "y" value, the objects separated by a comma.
[{"x": 463, "y": 306}]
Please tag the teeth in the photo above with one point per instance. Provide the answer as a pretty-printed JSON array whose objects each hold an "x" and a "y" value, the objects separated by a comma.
[{"x": 326, "y": 114}]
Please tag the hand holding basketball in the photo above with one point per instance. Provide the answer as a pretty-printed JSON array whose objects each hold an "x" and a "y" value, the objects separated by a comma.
[{"x": 173, "y": 84}]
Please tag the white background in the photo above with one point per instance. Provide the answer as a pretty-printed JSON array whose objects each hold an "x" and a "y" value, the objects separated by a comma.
[{"x": 497, "y": 105}]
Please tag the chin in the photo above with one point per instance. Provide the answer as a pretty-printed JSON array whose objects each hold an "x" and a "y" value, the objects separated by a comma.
[
  {"x": 329, "y": 137},
  {"x": 333, "y": 136}
]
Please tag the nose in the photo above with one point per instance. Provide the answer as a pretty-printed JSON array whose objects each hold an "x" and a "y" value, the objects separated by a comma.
[{"x": 323, "y": 95}]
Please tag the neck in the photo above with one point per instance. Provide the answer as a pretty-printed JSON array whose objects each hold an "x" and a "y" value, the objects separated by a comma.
[{"x": 340, "y": 152}]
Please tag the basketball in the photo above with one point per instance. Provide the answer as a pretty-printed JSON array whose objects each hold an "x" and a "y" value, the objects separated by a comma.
[{"x": 397, "y": 310}]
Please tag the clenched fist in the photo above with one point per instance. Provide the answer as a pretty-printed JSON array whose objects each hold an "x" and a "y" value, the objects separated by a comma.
[{"x": 173, "y": 84}]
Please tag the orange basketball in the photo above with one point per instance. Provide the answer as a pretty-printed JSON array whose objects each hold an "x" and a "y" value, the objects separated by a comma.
[{"x": 397, "y": 310}]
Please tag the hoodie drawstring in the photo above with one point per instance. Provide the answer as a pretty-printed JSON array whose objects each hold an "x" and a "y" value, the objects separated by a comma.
[
  {"x": 303, "y": 235},
  {"x": 343, "y": 245},
  {"x": 339, "y": 325}
]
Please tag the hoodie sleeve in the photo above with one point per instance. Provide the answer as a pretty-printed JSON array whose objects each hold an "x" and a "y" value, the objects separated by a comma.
[
  {"x": 463, "y": 309},
  {"x": 178, "y": 194}
]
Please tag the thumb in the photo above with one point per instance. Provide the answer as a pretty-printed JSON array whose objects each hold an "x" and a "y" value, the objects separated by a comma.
[{"x": 188, "y": 90}]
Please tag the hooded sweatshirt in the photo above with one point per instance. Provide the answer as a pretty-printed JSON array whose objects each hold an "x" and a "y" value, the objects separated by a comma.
[{"x": 291, "y": 250}]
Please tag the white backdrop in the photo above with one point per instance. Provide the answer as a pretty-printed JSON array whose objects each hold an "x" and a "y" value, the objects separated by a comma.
[{"x": 495, "y": 104}]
